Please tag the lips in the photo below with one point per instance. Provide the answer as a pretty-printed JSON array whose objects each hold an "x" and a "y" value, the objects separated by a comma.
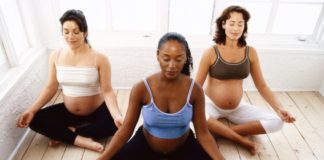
[{"x": 171, "y": 73}]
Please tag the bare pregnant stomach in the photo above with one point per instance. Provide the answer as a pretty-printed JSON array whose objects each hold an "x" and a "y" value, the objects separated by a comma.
[
  {"x": 83, "y": 106},
  {"x": 226, "y": 94}
]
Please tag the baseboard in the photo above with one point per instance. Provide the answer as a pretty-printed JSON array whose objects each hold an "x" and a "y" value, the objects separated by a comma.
[{"x": 22, "y": 145}]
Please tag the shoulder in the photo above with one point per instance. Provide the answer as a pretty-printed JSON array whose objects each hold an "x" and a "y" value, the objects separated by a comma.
[
  {"x": 210, "y": 51},
  {"x": 209, "y": 55},
  {"x": 139, "y": 86},
  {"x": 138, "y": 92},
  {"x": 54, "y": 54},
  {"x": 101, "y": 58},
  {"x": 252, "y": 53}
]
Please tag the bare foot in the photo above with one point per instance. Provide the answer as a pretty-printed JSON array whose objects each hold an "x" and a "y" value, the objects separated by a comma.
[
  {"x": 53, "y": 143},
  {"x": 250, "y": 145},
  {"x": 88, "y": 143}
]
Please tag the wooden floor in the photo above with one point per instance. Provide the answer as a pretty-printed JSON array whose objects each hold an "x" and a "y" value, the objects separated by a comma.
[{"x": 302, "y": 140}]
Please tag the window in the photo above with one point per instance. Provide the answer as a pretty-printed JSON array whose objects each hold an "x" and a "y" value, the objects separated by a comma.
[
  {"x": 13, "y": 40},
  {"x": 14, "y": 27},
  {"x": 297, "y": 18},
  {"x": 191, "y": 17},
  {"x": 4, "y": 66},
  {"x": 130, "y": 15}
]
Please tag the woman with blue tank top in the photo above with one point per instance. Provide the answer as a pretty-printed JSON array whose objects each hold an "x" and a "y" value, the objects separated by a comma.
[
  {"x": 90, "y": 107},
  {"x": 168, "y": 101}
]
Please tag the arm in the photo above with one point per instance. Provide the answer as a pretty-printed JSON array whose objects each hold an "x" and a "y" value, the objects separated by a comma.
[
  {"x": 205, "y": 62},
  {"x": 264, "y": 90},
  {"x": 125, "y": 131},
  {"x": 203, "y": 135},
  {"x": 45, "y": 96},
  {"x": 107, "y": 90}
]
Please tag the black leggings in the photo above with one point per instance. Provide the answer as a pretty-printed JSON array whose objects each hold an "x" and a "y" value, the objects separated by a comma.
[
  {"x": 138, "y": 149},
  {"x": 53, "y": 122}
]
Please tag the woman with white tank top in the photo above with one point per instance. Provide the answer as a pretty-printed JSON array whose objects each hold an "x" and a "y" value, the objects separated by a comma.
[{"x": 89, "y": 109}]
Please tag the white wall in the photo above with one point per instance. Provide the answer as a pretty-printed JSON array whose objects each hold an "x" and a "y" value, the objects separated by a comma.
[
  {"x": 24, "y": 85},
  {"x": 283, "y": 69}
]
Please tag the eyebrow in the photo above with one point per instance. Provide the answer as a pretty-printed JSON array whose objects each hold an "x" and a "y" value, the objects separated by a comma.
[
  {"x": 74, "y": 29},
  {"x": 177, "y": 56}
]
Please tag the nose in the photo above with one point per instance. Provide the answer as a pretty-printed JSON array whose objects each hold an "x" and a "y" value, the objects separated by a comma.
[
  {"x": 172, "y": 64},
  {"x": 70, "y": 36}
]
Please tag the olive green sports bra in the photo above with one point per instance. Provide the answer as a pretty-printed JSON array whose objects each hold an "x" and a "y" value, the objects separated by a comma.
[{"x": 224, "y": 70}]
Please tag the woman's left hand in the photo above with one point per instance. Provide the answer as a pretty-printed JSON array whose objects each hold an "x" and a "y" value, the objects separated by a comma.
[{"x": 286, "y": 116}]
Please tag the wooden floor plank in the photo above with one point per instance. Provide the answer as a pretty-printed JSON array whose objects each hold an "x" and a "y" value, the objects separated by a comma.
[
  {"x": 291, "y": 132},
  {"x": 73, "y": 153},
  {"x": 37, "y": 148},
  {"x": 311, "y": 114},
  {"x": 315, "y": 102},
  {"x": 55, "y": 153},
  {"x": 306, "y": 126}
]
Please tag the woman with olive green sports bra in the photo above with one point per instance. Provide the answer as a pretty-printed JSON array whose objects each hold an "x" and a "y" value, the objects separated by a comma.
[{"x": 225, "y": 65}]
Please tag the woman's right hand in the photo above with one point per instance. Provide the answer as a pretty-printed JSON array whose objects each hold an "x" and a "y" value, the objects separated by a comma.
[{"x": 24, "y": 119}]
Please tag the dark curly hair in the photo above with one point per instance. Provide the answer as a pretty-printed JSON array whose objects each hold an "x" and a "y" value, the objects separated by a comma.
[
  {"x": 220, "y": 36},
  {"x": 78, "y": 17},
  {"x": 182, "y": 40}
]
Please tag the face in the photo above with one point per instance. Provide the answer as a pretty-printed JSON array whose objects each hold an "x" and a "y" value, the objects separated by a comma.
[
  {"x": 172, "y": 57},
  {"x": 234, "y": 26},
  {"x": 72, "y": 34}
]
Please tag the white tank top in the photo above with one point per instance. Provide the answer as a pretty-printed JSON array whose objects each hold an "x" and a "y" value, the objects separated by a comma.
[{"x": 78, "y": 81}]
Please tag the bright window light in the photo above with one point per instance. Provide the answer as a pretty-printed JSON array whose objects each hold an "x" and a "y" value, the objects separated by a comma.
[
  {"x": 15, "y": 28},
  {"x": 191, "y": 17},
  {"x": 296, "y": 18},
  {"x": 134, "y": 15}
]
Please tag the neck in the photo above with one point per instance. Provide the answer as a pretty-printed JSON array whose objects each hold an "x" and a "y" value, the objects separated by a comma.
[
  {"x": 164, "y": 79},
  {"x": 231, "y": 43},
  {"x": 80, "y": 49}
]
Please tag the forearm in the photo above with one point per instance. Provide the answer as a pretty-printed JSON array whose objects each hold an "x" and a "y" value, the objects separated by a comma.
[
  {"x": 111, "y": 101},
  {"x": 117, "y": 142},
  {"x": 45, "y": 96},
  {"x": 210, "y": 146},
  {"x": 267, "y": 94}
]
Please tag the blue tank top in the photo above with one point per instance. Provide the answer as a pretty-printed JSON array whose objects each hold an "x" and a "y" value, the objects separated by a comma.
[{"x": 166, "y": 125}]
